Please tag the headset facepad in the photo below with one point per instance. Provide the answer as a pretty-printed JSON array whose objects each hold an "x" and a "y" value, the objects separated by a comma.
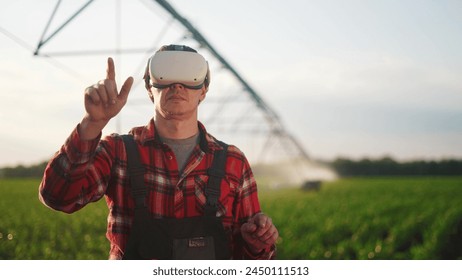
[{"x": 178, "y": 67}]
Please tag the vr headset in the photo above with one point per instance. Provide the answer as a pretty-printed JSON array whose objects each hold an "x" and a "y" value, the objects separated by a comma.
[{"x": 178, "y": 67}]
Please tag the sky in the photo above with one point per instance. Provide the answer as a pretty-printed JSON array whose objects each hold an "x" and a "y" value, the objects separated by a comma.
[{"x": 347, "y": 78}]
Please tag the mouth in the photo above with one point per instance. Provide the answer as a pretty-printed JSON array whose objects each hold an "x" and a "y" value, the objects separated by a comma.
[
  {"x": 176, "y": 100},
  {"x": 176, "y": 97}
]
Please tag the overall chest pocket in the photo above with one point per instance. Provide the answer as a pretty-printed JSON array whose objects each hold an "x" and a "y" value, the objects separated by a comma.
[{"x": 193, "y": 238}]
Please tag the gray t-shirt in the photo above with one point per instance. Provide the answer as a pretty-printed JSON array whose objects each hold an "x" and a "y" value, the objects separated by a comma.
[{"x": 182, "y": 148}]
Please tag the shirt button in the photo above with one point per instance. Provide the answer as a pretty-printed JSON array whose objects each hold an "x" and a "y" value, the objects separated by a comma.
[{"x": 170, "y": 157}]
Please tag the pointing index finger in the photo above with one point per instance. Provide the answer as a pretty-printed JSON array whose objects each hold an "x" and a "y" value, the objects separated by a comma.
[{"x": 110, "y": 72}]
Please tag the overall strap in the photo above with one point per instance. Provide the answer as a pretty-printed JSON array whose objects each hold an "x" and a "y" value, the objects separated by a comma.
[
  {"x": 135, "y": 171},
  {"x": 216, "y": 173}
]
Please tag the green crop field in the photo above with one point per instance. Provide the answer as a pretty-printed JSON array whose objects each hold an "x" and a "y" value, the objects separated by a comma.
[{"x": 360, "y": 218}]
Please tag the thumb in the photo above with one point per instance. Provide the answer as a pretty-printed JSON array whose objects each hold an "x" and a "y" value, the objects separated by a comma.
[
  {"x": 249, "y": 227},
  {"x": 125, "y": 90}
]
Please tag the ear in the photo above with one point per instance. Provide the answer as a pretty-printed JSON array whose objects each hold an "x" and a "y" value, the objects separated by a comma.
[
  {"x": 150, "y": 95},
  {"x": 204, "y": 92}
]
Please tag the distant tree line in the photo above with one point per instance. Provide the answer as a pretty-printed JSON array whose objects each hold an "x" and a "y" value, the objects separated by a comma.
[
  {"x": 31, "y": 171},
  {"x": 388, "y": 167},
  {"x": 344, "y": 167}
]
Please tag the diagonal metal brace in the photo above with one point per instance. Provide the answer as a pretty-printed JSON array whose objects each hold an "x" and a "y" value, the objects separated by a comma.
[{"x": 44, "y": 41}]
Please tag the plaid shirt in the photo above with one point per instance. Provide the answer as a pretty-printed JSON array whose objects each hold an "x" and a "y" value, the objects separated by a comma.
[{"x": 85, "y": 171}]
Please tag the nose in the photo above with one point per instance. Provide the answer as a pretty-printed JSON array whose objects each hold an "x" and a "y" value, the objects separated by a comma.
[{"x": 176, "y": 86}]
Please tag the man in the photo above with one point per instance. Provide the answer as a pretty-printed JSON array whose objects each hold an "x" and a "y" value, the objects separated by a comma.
[{"x": 176, "y": 155}]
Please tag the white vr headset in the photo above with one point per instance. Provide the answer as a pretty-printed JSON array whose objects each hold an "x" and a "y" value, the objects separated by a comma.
[{"x": 178, "y": 67}]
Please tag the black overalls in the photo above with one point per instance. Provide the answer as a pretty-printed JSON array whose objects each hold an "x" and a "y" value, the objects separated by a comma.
[{"x": 201, "y": 237}]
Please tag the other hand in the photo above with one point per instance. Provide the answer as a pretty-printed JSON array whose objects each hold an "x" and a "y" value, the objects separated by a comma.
[{"x": 259, "y": 232}]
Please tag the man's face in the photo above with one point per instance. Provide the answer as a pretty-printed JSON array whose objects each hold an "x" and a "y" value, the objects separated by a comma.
[{"x": 177, "y": 102}]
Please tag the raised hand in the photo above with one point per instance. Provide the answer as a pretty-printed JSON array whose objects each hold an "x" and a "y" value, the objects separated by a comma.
[{"x": 103, "y": 102}]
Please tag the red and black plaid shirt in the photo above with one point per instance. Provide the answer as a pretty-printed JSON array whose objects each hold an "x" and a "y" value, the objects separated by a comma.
[{"x": 85, "y": 171}]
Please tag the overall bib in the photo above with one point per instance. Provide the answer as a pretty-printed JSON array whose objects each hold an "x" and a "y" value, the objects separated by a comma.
[{"x": 194, "y": 238}]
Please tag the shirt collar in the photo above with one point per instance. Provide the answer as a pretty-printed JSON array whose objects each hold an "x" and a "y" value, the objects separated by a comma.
[{"x": 147, "y": 134}]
